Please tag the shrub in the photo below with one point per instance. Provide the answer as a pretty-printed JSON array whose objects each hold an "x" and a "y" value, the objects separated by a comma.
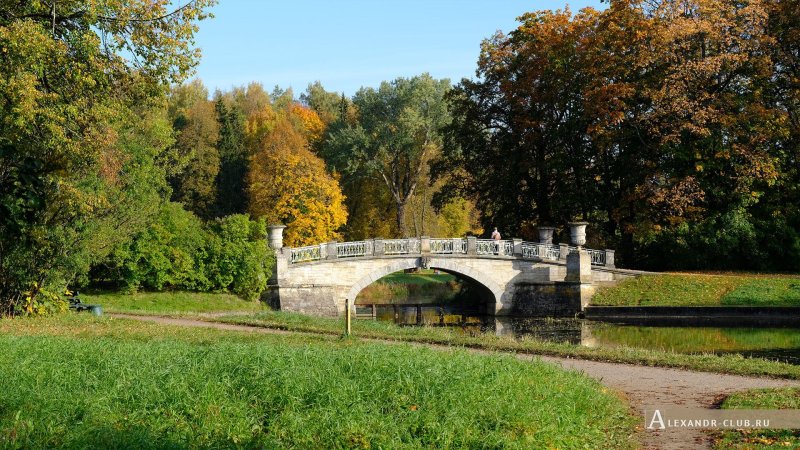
[{"x": 178, "y": 251}]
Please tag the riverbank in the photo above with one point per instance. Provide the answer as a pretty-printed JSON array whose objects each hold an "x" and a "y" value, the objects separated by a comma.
[
  {"x": 707, "y": 316},
  {"x": 687, "y": 290},
  {"x": 209, "y": 310},
  {"x": 114, "y": 382}
]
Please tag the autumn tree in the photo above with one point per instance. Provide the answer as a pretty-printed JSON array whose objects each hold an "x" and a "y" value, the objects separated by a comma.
[
  {"x": 395, "y": 135},
  {"x": 663, "y": 122},
  {"x": 517, "y": 140},
  {"x": 288, "y": 184},
  {"x": 78, "y": 143}
]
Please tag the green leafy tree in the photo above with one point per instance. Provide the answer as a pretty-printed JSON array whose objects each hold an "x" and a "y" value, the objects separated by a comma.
[
  {"x": 326, "y": 104},
  {"x": 395, "y": 135},
  {"x": 231, "y": 192},
  {"x": 197, "y": 133},
  {"x": 78, "y": 78}
]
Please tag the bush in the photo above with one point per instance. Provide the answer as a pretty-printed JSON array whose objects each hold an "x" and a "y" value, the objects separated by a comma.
[{"x": 179, "y": 252}]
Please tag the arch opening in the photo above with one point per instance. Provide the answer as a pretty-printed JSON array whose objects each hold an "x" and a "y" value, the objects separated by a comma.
[{"x": 443, "y": 287}]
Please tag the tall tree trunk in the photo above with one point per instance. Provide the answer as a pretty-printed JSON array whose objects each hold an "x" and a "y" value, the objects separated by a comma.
[{"x": 401, "y": 219}]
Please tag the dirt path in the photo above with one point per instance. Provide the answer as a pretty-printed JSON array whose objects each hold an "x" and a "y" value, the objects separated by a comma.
[{"x": 642, "y": 386}]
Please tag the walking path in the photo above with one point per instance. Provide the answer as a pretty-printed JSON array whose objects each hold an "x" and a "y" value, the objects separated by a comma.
[{"x": 642, "y": 386}]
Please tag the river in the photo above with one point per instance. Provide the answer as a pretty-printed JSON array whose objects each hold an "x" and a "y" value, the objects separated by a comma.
[{"x": 775, "y": 343}]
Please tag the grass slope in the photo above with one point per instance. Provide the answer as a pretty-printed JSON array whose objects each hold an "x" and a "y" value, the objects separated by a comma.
[
  {"x": 170, "y": 302},
  {"x": 702, "y": 290},
  {"x": 82, "y": 382},
  {"x": 786, "y": 398}
]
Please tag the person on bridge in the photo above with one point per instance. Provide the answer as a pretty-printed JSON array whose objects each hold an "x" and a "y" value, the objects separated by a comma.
[{"x": 496, "y": 236}]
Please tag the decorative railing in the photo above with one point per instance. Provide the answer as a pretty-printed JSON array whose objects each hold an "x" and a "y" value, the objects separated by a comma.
[
  {"x": 598, "y": 257},
  {"x": 448, "y": 246},
  {"x": 532, "y": 250},
  {"x": 492, "y": 247},
  {"x": 400, "y": 246},
  {"x": 551, "y": 252},
  {"x": 306, "y": 254},
  {"x": 454, "y": 246},
  {"x": 353, "y": 249}
]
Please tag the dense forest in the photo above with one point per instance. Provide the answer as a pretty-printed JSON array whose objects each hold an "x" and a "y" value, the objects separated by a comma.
[{"x": 673, "y": 127}]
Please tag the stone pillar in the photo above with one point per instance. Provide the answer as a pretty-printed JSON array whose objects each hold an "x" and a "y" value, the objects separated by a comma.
[
  {"x": 377, "y": 246},
  {"x": 275, "y": 236},
  {"x": 517, "y": 246},
  {"x": 331, "y": 249},
  {"x": 472, "y": 245},
  {"x": 546, "y": 235},
  {"x": 610, "y": 258},
  {"x": 281, "y": 265},
  {"x": 563, "y": 249},
  {"x": 577, "y": 233},
  {"x": 425, "y": 245},
  {"x": 579, "y": 267}
]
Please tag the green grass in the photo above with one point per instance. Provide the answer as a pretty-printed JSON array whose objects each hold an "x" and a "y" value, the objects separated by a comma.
[
  {"x": 782, "y": 398},
  {"x": 172, "y": 303},
  {"x": 422, "y": 277},
  {"x": 733, "y": 364},
  {"x": 82, "y": 382},
  {"x": 702, "y": 290}
]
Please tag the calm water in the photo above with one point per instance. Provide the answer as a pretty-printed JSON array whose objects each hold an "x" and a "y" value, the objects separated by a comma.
[{"x": 782, "y": 344}]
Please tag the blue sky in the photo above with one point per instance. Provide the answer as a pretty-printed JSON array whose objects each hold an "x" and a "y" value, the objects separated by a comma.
[{"x": 347, "y": 44}]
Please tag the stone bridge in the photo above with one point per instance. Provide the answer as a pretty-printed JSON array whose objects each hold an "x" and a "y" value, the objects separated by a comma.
[{"x": 512, "y": 276}]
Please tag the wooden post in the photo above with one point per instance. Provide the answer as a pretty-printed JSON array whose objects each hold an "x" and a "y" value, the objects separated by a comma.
[
  {"x": 419, "y": 315},
  {"x": 347, "y": 328},
  {"x": 374, "y": 311},
  {"x": 396, "y": 315}
]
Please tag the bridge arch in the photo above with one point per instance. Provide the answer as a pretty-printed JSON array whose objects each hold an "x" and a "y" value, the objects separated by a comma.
[{"x": 446, "y": 265}]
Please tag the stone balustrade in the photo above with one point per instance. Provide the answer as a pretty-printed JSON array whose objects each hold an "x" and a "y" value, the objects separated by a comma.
[{"x": 488, "y": 248}]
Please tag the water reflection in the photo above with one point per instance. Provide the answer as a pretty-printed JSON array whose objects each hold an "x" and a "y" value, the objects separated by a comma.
[{"x": 782, "y": 344}]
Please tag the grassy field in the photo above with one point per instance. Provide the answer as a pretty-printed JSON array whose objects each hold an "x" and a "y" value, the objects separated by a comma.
[
  {"x": 78, "y": 381},
  {"x": 786, "y": 398},
  {"x": 702, "y": 290},
  {"x": 733, "y": 364},
  {"x": 172, "y": 303}
]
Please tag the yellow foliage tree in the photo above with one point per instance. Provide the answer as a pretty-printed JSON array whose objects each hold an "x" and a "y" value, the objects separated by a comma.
[
  {"x": 289, "y": 184},
  {"x": 312, "y": 125}
]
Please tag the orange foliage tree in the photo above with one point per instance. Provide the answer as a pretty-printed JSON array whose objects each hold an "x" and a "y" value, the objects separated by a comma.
[{"x": 287, "y": 183}]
